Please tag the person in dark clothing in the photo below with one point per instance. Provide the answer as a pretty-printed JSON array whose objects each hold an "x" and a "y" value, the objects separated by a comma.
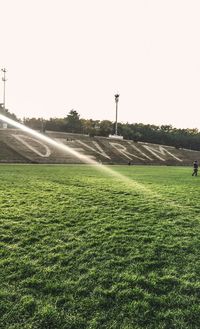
[{"x": 195, "y": 168}]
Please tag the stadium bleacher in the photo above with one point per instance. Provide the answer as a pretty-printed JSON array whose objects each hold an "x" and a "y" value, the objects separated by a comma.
[{"x": 20, "y": 147}]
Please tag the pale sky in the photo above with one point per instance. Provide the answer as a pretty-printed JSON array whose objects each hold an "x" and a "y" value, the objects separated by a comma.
[{"x": 76, "y": 54}]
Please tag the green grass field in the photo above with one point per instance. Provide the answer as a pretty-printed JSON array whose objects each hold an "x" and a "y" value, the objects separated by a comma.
[{"x": 80, "y": 249}]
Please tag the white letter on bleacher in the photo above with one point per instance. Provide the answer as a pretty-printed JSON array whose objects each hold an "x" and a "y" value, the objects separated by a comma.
[
  {"x": 123, "y": 150},
  {"x": 22, "y": 138},
  {"x": 161, "y": 150},
  {"x": 101, "y": 151}
]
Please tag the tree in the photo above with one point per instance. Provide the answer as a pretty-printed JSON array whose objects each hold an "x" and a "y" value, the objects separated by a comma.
[
  {"x": 90, "y": 127},
  {"x": 105, "y": 128},
  {"x": 73, "y": 122},
  {"x": 55, "y": 124},
  {"x": 32, "y": 123},
  {"x": 8, "y": 114}
]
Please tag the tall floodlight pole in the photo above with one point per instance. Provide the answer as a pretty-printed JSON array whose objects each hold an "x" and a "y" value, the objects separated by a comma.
[
  {"x": 116, "y": 102},
  {"x": 4, "y": 88}
]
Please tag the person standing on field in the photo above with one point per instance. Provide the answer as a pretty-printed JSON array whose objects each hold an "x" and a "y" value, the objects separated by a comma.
[{"x": 195, "y": 168}]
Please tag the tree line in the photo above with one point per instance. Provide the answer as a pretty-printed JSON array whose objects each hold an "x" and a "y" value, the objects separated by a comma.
[{"x": 138, "y": 132}]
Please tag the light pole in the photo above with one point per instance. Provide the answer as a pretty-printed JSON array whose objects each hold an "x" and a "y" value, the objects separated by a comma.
[
  {"x": 4, "y": 88},
  {"x": 116, "y": 101}
]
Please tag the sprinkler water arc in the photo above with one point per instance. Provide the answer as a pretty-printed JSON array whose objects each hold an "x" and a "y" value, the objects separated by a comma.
[{"x": 127, "y": 181}]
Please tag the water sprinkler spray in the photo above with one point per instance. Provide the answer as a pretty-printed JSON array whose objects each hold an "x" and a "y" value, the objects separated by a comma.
[{"x": 130, "y": 183}]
